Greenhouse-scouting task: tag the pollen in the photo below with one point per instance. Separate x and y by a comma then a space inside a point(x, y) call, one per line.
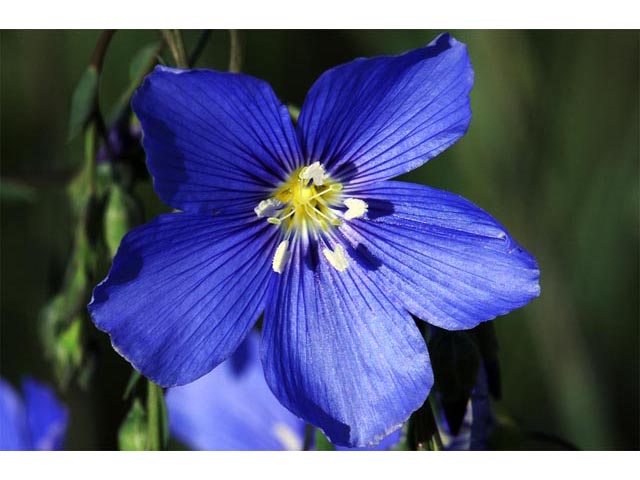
point(280, 257)
point(314, 172)
point(337, 258)
point(268, 207)
point(356, 208)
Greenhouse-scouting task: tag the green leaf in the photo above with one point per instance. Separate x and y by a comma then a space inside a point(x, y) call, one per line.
point(487, 341)
point(83, 101)
point(322, 442)
point(12, 191)
point(142, 61)
point(455, 360)
point(122, 213)
point(133, 431)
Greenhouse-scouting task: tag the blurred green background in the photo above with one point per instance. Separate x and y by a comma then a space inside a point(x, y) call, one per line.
point(552, 152)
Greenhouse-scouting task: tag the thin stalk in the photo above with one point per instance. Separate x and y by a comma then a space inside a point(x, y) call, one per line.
point(435, 440)
point(308, 435)
point(173, 38)
point(90, 156)
point(99, 52)
point(182, 53)
point(236, 47)
point(197, 50)
point(153, 416)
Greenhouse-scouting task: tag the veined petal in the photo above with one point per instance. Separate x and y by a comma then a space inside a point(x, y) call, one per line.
point(14, 429)
point(453, 265)
point(232, 408)
point(387, 443)
point(214, 140)
point(373, 119)
point(47, 417)
point(183, 292)
point(339, 352)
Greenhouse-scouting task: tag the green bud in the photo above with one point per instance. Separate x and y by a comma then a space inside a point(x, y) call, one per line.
point(121, 214)
point(133, 431)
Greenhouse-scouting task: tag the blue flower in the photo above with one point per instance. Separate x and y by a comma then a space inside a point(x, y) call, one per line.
point(232, 408)
point(302, 223)
point(37, 422)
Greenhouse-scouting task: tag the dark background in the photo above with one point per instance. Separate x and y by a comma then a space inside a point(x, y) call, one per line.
point(552, 152)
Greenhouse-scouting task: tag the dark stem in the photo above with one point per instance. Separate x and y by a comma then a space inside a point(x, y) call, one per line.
point(97, 59)
point(235, 51)
point(199, 48)
point(308, 435)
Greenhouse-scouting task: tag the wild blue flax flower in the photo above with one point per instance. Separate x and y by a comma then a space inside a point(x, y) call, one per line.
point(38, 421)
point(302, 223)
point(232, 408)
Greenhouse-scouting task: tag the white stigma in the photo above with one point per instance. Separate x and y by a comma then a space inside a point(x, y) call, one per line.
point(314, 171)
point(280, 257)
point(356, 208)
point(287, 437)
point(268, 208)
point(337, 258)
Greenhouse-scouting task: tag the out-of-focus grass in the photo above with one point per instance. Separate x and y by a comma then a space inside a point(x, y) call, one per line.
point(552, 152)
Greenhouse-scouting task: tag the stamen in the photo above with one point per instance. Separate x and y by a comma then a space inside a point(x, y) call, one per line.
point(356, 208)
point(287, 437)
point(337, 258)
point(330, 220)
point(314, 171)
point(268, 207)
point(280, 257)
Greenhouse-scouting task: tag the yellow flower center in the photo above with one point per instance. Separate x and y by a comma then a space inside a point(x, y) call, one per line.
point(307, 207)
point(307, 204)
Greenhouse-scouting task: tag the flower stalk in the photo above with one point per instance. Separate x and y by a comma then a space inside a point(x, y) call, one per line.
point(236, 48)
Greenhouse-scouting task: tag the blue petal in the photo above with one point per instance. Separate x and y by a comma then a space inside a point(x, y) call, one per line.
point(14, 429)
point(387, 443)
point(214, 140)
point(373, 119)
point(453, 265)
point(233, 410)
point(183, 292)
point(47, 416)
point(340, 353)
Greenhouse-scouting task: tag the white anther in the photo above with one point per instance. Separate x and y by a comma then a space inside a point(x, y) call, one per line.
point(287, 437)
point(337, 258)
point(281, 256)
point(356, 208)
point(268, 207)
point(314, 171)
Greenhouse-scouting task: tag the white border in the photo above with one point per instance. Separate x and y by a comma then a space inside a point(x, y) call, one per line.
point(458, 14)
point(318, 465)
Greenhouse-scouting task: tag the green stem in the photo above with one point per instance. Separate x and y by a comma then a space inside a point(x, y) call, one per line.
point(153, 416)
point(308, 435)
point(183, 62)
point(90, 156)
point(197, 50)
point(176, 46)
point(435, 441)
point(235, 51)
